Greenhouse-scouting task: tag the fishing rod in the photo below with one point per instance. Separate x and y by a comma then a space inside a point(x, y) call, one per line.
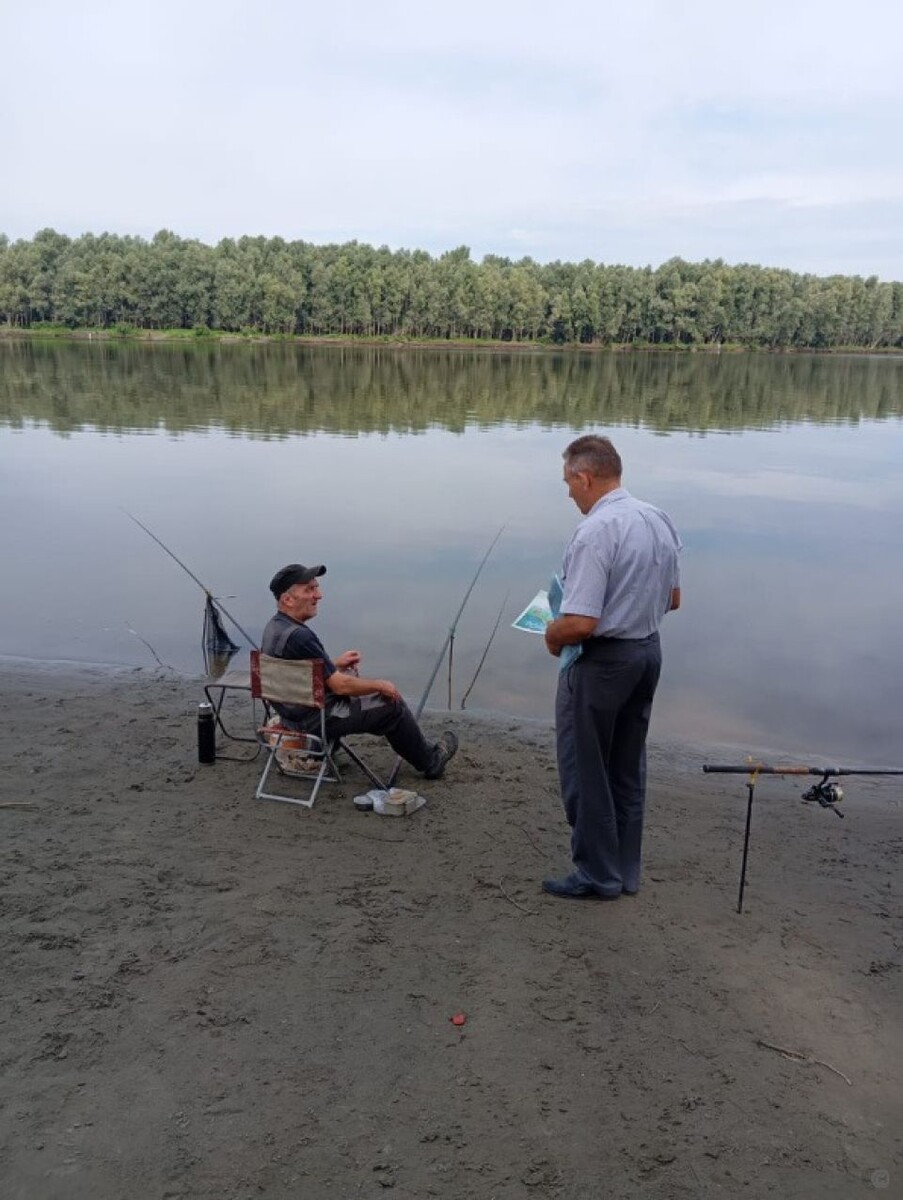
point(485, 650)
point(793, 769)
point(449, 640)
point(824, 793)
point(192, 575)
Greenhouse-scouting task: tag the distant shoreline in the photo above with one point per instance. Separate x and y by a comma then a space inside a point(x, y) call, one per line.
point(387, 342)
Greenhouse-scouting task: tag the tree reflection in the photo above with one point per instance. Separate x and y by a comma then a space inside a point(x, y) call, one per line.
point(281, 390)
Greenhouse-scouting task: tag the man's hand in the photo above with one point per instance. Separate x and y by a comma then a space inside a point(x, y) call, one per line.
point(567, 630)
point(349, 660)
point(388, 689)
point(347, 683)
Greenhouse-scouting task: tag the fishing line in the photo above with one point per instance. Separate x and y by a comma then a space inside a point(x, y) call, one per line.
point(210, 596)
point(449, 637)
point(486, 650)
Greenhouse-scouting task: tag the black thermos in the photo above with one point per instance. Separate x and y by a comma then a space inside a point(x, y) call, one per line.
point(206, 734)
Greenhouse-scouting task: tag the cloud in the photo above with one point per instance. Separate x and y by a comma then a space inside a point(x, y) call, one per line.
point(587, 131)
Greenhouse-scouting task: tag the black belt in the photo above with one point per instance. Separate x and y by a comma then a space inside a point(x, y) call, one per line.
point(598, 644)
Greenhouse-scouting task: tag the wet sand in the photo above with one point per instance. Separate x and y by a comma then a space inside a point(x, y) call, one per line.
point(208, 996)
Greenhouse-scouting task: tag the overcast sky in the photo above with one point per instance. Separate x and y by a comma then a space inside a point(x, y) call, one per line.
point(767, 132)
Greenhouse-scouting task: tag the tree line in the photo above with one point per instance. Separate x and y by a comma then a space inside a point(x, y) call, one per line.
point(270, 286)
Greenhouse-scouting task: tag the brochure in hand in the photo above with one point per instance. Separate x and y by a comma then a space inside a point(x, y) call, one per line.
point(543, 608)
point(536, 616)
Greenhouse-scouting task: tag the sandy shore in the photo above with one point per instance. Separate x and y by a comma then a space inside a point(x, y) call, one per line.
point(204, 996)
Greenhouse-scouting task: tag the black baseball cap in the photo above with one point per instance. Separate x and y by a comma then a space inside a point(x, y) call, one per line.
point(294, 573)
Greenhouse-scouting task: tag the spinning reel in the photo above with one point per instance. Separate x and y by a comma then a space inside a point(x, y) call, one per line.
point(827, 793)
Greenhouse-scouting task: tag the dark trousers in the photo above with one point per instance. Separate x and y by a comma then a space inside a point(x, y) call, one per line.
point(602, 715)
point(390, 719)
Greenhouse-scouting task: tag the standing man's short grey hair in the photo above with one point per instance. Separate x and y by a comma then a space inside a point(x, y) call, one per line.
point(594, 454)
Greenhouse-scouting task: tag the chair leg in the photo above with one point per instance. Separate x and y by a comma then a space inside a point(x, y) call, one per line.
point(321, 775)
point(217, 704)
point(361, 765)
point(260, 794)
point(328, 773)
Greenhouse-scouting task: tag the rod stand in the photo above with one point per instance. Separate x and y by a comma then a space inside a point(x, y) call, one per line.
point(751, 790)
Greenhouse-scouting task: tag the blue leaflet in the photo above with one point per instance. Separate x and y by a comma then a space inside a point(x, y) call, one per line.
point(569, 654)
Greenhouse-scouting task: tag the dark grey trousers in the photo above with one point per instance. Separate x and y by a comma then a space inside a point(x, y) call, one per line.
point(391, 719)
point(602, 715)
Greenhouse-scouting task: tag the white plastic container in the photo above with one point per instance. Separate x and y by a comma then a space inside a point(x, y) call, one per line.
point(397, 802)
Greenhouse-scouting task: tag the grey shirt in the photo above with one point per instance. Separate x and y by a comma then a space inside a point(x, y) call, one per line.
point(286, 638)
point(621, 565)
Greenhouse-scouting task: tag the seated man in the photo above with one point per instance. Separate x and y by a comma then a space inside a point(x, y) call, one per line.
point(353, 704)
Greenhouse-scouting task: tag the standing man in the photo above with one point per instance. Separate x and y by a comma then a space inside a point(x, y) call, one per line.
point(354, 704)
point(620, 576)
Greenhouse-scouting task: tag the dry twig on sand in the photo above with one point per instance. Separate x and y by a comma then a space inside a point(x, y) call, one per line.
point(526, 834)
point(797, 1056)
point(533, 912)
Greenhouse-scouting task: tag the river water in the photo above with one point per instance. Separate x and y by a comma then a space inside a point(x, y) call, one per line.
point(397, 467)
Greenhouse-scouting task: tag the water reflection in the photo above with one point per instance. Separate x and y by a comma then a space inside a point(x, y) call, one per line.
point(788, 635)
point(279, 390)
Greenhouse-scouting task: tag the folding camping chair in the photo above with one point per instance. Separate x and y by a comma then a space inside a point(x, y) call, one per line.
point(298, 681)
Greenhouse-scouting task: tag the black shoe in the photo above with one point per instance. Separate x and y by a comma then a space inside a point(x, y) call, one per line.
point(445, 750)
point(572, 887)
